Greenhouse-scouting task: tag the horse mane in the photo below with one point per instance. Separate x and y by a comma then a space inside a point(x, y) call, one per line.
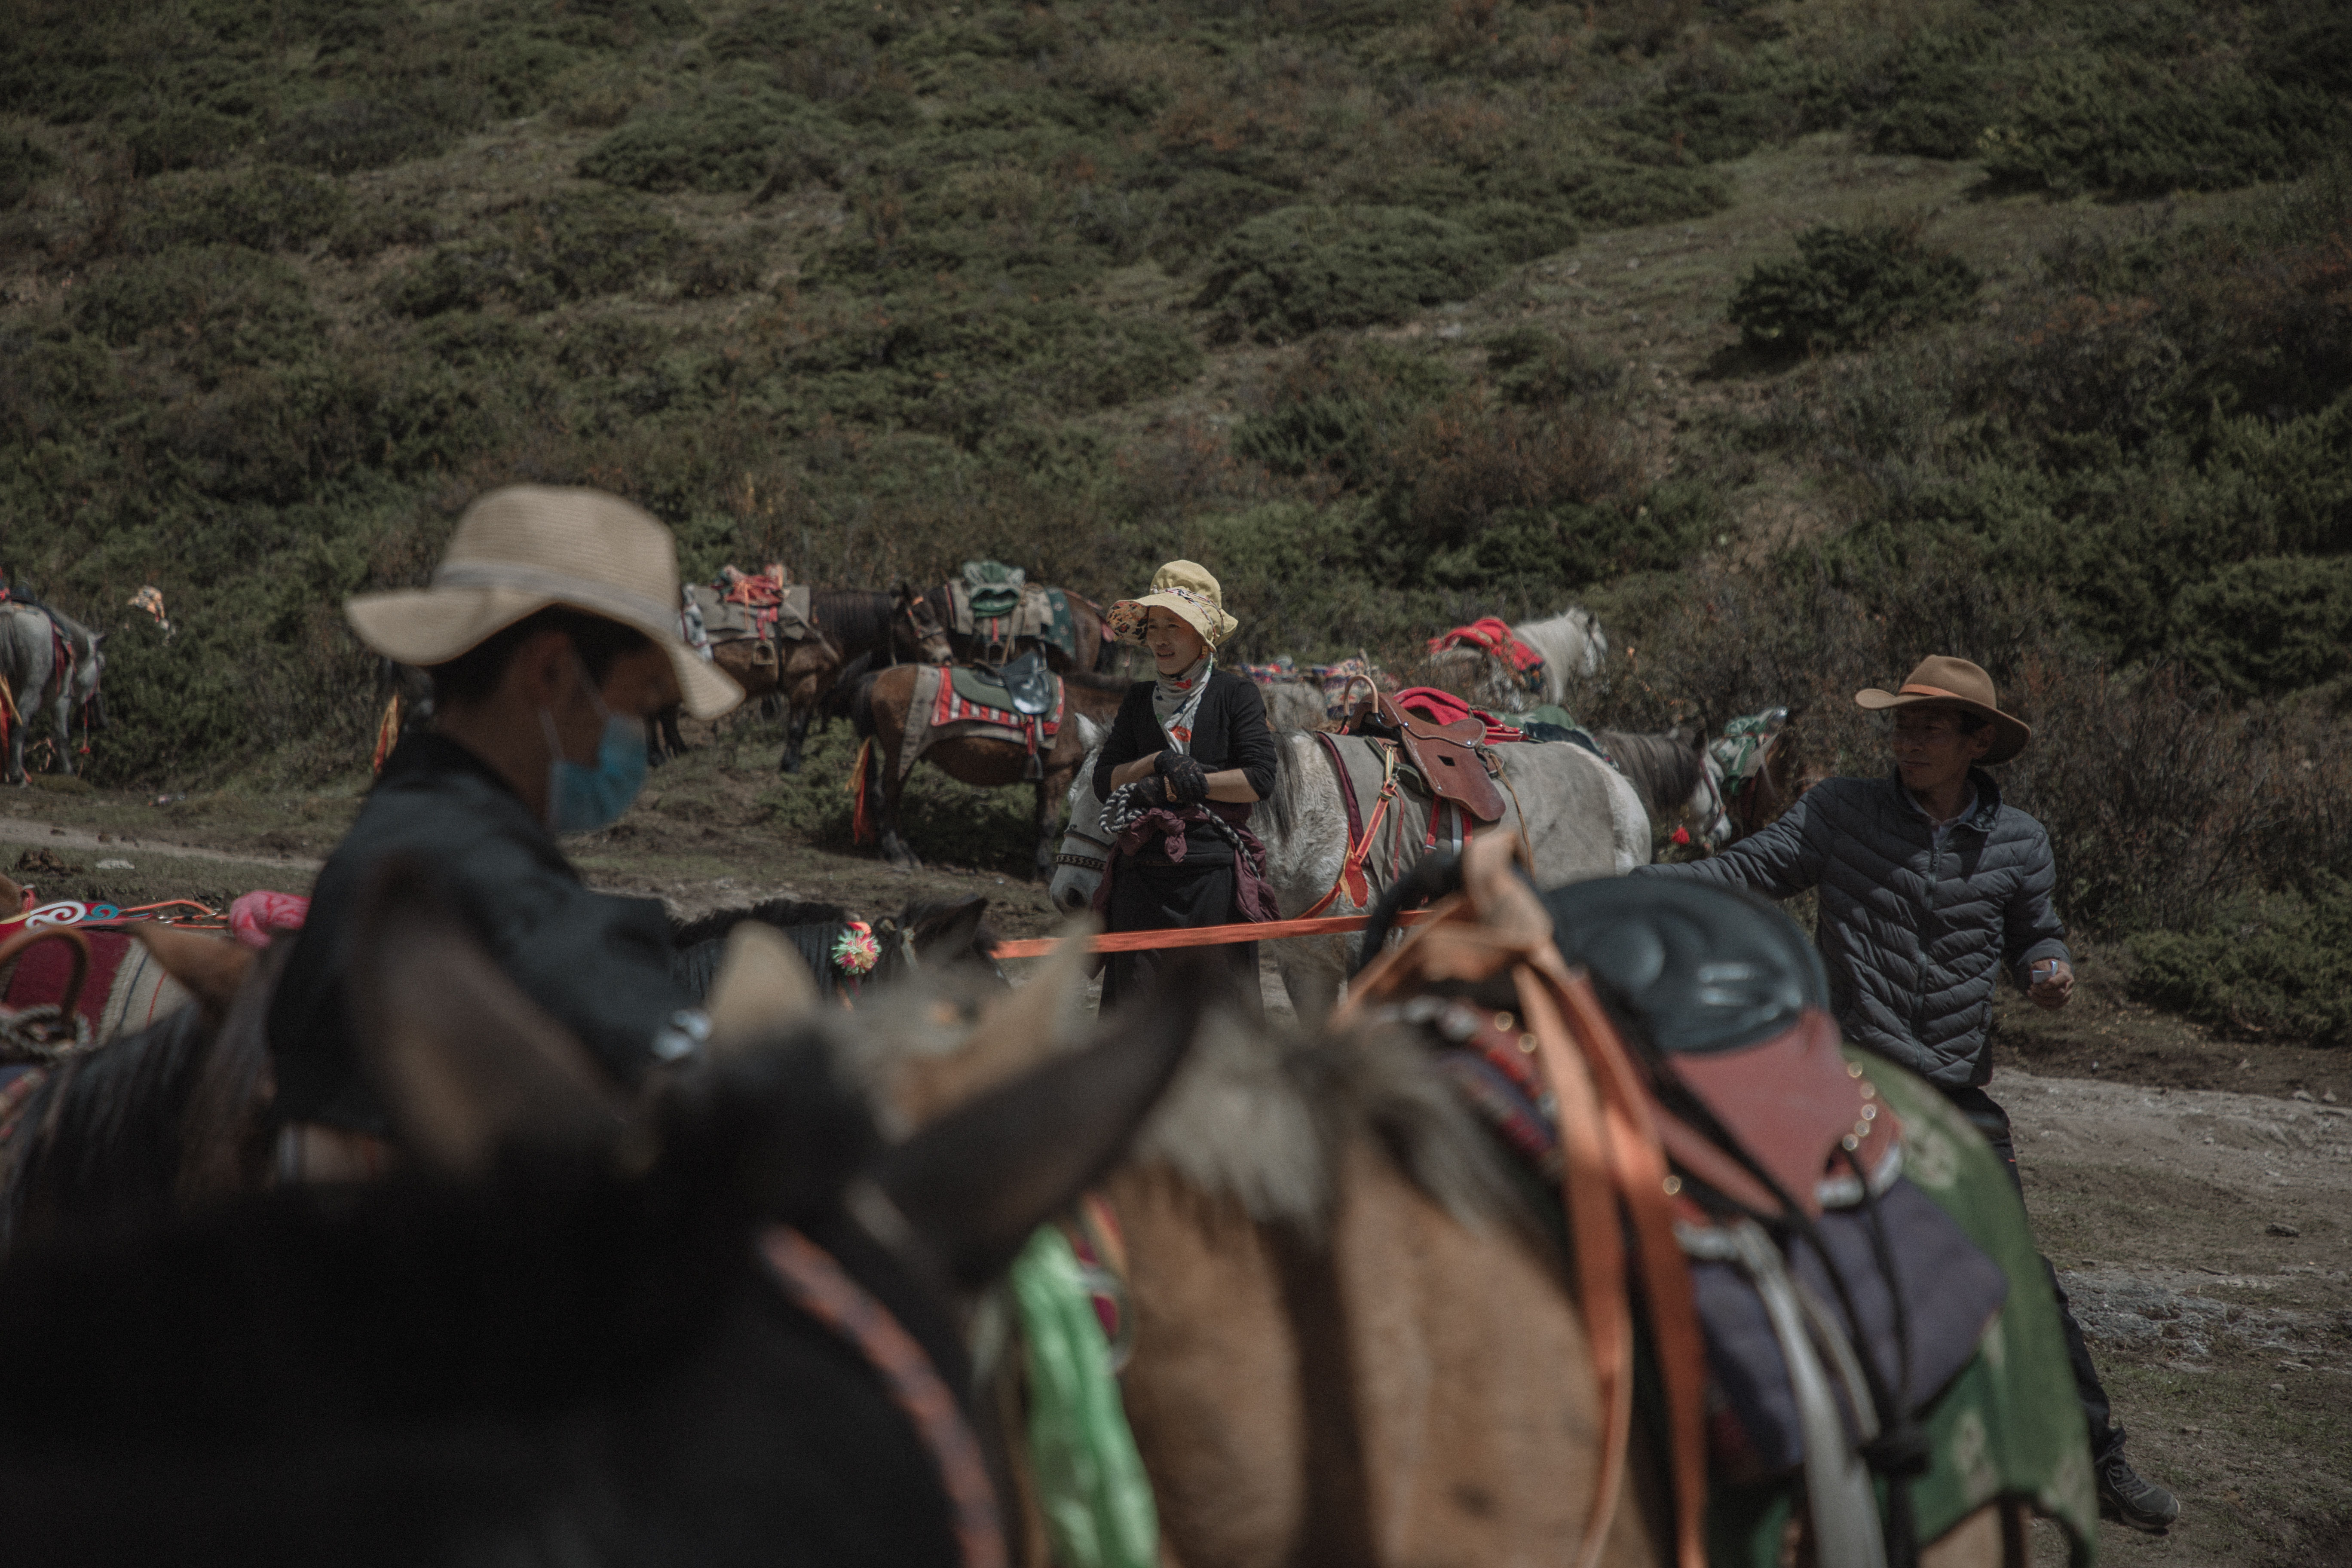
point(853, 617)
point(1265, 1119)
point(1665, 768)
point(1282, 806)
point(104, 1133)
point(777, 912)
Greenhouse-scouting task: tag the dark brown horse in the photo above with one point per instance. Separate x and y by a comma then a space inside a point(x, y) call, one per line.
point(1095, 650)
point(974, 759)
point(798, 674)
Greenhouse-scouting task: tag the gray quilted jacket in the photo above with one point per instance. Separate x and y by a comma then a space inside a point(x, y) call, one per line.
point(1914, 937)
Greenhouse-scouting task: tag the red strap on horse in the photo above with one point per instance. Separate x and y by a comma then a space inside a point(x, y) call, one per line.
point(1352, 878)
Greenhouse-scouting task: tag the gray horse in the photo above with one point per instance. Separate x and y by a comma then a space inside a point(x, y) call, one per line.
point(28, 661)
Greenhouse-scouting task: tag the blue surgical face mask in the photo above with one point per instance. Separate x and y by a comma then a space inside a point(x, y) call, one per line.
point(583, 798)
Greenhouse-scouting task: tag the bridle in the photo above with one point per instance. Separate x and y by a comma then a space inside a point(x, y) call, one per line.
point(1085, 862)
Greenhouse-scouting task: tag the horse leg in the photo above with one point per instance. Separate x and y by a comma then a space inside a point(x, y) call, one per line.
point(61, 725)
point(795, 732)
point(884, 757)
point(17, 752)
point(1312, 969)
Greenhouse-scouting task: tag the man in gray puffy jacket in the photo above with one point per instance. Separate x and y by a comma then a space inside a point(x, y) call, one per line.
point(1930, 888)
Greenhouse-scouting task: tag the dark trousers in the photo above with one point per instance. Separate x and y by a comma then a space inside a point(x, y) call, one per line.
point(1145, 896)
point(1986, 1114)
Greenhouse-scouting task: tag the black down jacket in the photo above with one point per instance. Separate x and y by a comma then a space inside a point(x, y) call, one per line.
point(1915, 936)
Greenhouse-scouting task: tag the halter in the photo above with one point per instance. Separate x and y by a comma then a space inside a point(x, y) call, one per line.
point(1085, 862)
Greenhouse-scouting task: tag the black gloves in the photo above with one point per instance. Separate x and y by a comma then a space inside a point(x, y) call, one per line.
point(1187, 781)
point(1151, 790)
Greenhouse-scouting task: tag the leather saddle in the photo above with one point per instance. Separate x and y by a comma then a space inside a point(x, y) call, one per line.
point(1026, 682)
point(1448, 757)
point(1732, 1001)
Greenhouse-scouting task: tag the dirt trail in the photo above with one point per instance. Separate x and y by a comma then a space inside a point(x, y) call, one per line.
point(24, 830)
point(2205, 1239)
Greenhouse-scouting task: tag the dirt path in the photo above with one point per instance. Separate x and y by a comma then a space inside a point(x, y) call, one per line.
point(88, 842)
point(2205, 1238)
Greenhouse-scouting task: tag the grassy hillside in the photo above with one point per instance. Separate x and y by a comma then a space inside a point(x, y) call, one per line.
point(1797, 338)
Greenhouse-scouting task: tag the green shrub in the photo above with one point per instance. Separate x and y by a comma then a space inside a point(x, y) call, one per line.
point(1532, 366)
point(2269, 626)
point(23, 163)
point(212, 307)
point(728, 141)
point(1626, 195)
point(1849, 286)
point(1305, 268)
point(1204, 206)
point(1342, 411)
point(184, 137)
point(364, 132)
point(2274, 964)
point(2135, 127)
point(1518, 231)
point(269, 207)
point(564, 246)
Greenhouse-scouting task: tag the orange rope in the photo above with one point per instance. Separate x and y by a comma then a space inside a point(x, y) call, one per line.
point(1202, 936)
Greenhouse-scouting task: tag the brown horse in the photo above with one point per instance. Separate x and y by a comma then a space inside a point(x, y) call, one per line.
point(974, 759)
point(1775, 786)
point(798, 674)
point(972, 647)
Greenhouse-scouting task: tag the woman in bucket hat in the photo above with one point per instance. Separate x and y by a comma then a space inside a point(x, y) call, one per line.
point(1931, 888)
point(549, 630)
point(1188, 755)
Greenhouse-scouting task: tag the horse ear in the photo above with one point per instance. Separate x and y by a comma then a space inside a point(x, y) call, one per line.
point(974, 1184)
point(210, 968)
point(1017, 1029)
point(950, 932)
point(1091, 735)
point(466, 1064)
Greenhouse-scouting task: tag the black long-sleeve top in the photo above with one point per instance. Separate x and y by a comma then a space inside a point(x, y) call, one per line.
point(1228, 731)
point(598, 962)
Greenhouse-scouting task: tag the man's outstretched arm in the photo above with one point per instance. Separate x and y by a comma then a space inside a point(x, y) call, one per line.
point(1780, 862)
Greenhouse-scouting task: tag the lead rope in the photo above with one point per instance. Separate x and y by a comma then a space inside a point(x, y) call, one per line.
point(819, 1286)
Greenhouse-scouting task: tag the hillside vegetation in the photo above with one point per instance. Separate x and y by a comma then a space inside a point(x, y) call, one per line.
point(1797, 338)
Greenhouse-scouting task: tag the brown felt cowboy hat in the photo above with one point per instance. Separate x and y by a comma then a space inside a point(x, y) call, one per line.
point(1956, 683)
point(518, 550)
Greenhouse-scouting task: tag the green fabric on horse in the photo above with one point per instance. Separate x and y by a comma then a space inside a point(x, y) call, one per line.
point(2011, 1426)
point(1090, 1482)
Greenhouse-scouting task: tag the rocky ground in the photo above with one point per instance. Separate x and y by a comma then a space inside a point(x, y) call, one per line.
point(2194, 1193)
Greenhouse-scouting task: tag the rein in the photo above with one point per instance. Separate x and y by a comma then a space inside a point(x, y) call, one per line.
point(814, 1282)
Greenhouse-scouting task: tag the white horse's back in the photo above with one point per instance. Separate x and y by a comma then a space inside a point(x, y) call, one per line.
point(1573, 646)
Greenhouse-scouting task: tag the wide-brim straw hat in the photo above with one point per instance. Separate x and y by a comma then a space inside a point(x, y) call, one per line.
point(518, 550)
point(1954, 682)
point(1184, 588)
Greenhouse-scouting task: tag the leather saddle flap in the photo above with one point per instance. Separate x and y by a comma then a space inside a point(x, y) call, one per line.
point(1446, 757)
point(1022, 686)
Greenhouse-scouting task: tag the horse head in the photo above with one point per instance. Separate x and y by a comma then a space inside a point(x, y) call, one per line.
point(1085, 852)
point(930, 635)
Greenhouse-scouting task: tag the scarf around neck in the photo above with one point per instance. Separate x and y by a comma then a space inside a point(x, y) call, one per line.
point(1176, 700)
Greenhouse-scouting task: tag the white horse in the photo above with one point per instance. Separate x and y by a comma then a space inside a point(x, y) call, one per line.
point(30, 640)
point(1573, 646)
point(1580, 818)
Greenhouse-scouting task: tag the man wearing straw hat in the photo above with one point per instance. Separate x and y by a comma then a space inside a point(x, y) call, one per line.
point(1931, 887)
point(549, 630)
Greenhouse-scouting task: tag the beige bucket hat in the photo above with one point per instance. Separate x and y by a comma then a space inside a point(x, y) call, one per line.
point(1955, 682)
point(1186, 588)
point(520, 548)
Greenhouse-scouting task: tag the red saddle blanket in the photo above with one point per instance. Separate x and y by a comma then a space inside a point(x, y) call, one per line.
point(1445, 707)
point(952, 707)
point(1495, 637)
point(38, 979)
